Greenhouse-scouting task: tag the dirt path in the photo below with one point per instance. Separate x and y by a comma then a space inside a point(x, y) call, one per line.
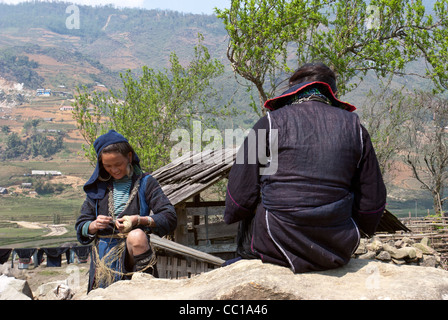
point(55, 229)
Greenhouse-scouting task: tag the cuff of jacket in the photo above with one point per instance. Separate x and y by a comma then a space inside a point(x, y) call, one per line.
point(234, 212)
point(84, 237)
point(368, 221)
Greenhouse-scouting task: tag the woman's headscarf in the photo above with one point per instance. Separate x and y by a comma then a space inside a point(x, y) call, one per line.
point(95, 188)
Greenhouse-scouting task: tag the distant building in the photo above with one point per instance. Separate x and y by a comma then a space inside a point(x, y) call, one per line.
point(43, 92)
point(44, 173)
point(3, 190)
point(62, 94)
point(66, 108)
point(26, 185)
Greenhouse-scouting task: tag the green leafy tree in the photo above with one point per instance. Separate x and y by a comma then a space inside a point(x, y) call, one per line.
point(19, 67)
point(270, 38)
point(151, 106)
point(36, 144)
point(14, 146)
point(30, 126)
point(260, 32)
point(6, 129)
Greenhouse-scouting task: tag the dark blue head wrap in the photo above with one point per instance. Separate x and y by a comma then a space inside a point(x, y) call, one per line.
point(94, 188)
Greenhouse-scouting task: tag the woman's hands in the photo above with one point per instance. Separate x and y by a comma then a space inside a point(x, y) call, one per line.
point(134, 220)
point(100, 223)
point(125, 224)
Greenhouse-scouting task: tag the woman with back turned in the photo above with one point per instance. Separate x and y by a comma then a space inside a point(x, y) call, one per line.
point(324, 184)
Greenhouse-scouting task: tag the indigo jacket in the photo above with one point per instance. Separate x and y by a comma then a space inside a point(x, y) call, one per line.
point(164, 214)
point(315, 182)
point(97, 203)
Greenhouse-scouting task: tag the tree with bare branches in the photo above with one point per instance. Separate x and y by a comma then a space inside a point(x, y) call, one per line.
point(384, 114)
point(427, 155)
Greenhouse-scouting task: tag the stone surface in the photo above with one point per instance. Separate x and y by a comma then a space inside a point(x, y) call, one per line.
point(401, 251)
point(14, 289)
point(252, 279)
point(424, 248)
point(384, 256)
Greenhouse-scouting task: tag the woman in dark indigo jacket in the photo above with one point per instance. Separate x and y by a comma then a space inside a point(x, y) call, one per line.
point(117, 189)
point(303, 203)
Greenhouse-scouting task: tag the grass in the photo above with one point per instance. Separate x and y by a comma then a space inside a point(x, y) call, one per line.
point(61, 208)
point(67, 167)
point(14, 207)
point(15, 232)
point(13, 235)
point(49, 210)
point(58, 208)
point(23, 241)
point(12, 170)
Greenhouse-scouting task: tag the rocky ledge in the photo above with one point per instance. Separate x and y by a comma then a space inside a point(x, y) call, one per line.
point(251, 279)
point(397, 270)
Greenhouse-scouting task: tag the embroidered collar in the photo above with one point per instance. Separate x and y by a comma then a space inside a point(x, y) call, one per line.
point(324, 88)
point(312, 94)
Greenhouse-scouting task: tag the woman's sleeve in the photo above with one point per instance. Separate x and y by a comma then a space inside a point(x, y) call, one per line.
point(243, 188)
point(369, 189)
point(82, 223)
point(164, 214)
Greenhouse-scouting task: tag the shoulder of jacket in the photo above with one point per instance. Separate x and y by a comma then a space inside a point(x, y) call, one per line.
point(90, 201)
point(149, 181)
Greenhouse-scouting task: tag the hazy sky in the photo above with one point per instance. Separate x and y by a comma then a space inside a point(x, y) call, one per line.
point(188, 6)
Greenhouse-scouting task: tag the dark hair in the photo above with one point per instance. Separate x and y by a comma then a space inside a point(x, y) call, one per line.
point(120, 147)
point(311, 72)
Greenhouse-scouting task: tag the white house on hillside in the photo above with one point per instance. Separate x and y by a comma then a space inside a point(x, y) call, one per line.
point(44, 173)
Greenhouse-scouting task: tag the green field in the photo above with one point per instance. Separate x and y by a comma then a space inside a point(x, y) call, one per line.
point(18, 237)
point(43, 209)
point(18, 208)
point(21, 204)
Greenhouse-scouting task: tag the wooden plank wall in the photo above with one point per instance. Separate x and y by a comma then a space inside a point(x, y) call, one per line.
point(198, 228)
point(176, 267)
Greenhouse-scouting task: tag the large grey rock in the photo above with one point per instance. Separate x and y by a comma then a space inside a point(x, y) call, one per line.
point(374, 245)
point(424, 248)
point(252, 279)
point(400, 253)
point(14, 289)
point(384, 256)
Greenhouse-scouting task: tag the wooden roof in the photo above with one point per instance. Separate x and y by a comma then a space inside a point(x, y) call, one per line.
point(192, 173)
point(185, 251)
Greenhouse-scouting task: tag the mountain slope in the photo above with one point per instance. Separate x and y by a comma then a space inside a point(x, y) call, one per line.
point(108, 40)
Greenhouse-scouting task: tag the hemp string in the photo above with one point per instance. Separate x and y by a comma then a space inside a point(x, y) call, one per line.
point(103, 271)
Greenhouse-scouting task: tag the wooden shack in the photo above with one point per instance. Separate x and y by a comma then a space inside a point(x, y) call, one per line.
point(183, 181)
